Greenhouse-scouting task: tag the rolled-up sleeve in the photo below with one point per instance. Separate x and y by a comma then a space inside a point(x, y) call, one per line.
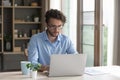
point(32, 50)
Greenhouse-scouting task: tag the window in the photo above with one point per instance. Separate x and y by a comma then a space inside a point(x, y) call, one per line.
point(87, 28)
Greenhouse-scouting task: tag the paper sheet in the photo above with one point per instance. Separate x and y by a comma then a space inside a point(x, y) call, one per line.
point(92, 71)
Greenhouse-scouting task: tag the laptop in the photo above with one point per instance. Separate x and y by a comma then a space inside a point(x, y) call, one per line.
point(67, 65)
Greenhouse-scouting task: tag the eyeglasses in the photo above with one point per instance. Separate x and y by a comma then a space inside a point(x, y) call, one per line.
point(53, 27)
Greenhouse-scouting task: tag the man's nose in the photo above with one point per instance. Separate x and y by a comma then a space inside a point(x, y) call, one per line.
point(57, 29)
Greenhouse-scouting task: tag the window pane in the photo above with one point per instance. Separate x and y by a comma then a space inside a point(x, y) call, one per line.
point(109, 20)
point(88, 30)
point(88, 35)
point(88, 5)
point(105, 43)
point(88, 44)
point(89, 50)
point(88, 17)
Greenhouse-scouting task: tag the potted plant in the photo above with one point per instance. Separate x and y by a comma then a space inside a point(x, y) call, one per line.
point(33, 68)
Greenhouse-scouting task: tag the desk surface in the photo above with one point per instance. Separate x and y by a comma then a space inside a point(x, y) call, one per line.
point(109, 73)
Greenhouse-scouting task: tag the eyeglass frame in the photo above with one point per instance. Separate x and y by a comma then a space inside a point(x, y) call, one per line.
point(53, 27)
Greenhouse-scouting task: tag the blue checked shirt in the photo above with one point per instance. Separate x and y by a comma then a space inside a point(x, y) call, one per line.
point(40, 48)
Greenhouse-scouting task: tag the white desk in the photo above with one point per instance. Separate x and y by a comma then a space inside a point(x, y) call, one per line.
point(109, 73)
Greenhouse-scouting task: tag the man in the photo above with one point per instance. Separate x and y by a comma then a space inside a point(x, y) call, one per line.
point(51, 41)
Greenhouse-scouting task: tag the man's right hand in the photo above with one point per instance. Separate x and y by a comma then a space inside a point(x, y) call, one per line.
point(44, 68)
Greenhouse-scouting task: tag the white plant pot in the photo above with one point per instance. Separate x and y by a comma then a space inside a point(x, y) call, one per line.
point(34, 74)
point(30, 74)
point(36, 19)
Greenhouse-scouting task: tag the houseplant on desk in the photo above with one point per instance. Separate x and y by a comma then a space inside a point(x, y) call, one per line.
point(34, 68)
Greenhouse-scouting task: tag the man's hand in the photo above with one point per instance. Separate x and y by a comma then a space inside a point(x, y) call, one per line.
point(44, 68)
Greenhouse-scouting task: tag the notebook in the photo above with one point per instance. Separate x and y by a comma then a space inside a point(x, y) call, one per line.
point(67, 65)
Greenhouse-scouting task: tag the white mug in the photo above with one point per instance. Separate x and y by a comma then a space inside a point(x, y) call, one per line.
point(24, 69)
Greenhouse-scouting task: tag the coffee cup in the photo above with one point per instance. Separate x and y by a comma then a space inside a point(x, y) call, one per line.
point(24, 69)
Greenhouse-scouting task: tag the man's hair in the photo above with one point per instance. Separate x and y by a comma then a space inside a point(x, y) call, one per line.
point(54, 13)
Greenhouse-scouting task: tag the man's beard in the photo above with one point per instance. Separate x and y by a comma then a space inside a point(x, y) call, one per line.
point(53, 34)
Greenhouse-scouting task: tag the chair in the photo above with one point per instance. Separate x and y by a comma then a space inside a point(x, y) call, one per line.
point(26, 53)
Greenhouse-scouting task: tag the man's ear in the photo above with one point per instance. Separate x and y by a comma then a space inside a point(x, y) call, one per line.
point(46, 26)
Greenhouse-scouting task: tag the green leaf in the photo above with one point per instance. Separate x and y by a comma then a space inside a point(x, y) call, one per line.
point(33, 67)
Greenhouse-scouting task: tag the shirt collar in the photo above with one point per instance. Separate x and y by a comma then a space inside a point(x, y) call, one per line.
point(46, 37)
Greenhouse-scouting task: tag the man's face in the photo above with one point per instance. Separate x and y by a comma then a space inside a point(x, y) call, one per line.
point(54, 27)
